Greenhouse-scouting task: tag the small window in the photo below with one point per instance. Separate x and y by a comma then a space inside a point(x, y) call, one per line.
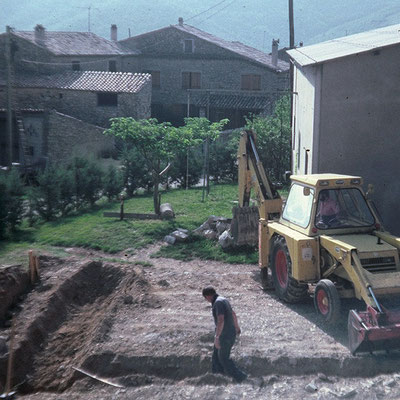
point(112, 66)
point(155, 78)
point(191, 80)
point(188, 47)
point(76, 66)
point(107, 99)
point(251, 82)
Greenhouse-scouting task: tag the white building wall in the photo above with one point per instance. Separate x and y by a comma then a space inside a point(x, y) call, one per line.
point(360, 124)
point(304, 107)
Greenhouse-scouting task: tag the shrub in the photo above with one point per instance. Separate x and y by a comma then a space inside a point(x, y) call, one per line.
point(15, 191)
point(67, 190)
point(177, 172)
point(112, 183)
point(3, 207)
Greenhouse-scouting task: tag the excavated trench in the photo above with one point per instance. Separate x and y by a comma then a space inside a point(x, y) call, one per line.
point(74, 314)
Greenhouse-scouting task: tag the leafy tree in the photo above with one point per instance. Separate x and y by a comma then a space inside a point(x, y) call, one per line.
point(66, 182)
point(182, 173)
point(156, 142)
point(135, 173)
point(112, 183)
point(273, 138)
point(206, 131)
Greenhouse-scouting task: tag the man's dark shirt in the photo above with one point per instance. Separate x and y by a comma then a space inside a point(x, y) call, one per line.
point(221, 306)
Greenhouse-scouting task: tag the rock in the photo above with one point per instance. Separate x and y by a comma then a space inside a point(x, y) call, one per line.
point(322, 377)
point(346, 394)
point(221, 226)
point(180, 236)
point(226, 240)
point(212, 221)
point(203, 227)
point(272, 379)
point(166, 211)
point(128, 299)
point(389, 382)
point(210, 234)
point(170, 239)
point(311, 387)
point(183, 230)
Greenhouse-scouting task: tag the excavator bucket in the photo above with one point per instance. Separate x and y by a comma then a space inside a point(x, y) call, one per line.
point(244, 226)
point(371, 330)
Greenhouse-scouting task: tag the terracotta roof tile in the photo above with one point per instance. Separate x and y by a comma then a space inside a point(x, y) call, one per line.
point(99, 81)
point(76, 43)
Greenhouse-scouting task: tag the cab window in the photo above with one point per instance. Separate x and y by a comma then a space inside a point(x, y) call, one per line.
point(298, 205)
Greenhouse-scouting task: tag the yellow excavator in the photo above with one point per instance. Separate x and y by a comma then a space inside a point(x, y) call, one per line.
point(327, 241)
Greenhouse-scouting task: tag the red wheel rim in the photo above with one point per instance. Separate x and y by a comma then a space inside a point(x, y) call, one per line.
point(281, 268)
point(322, 302)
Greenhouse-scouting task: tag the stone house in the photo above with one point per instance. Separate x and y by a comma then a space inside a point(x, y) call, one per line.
point(197, 74)
point(345, 113)
point(45, 78)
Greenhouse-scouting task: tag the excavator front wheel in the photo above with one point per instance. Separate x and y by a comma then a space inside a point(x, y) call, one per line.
point(286, 287)
point(327, 301)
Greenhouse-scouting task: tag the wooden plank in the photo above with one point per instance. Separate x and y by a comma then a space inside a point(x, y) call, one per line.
point(108, 382)
point(131, 215)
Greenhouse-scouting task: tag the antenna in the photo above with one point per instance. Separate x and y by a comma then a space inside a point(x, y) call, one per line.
point(89, 9)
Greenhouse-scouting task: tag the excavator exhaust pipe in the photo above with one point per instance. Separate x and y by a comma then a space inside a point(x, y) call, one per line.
point(373, 330)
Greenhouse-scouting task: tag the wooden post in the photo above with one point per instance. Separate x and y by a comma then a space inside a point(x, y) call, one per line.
point(121, 213)
point(32, 266)
point(10, 358)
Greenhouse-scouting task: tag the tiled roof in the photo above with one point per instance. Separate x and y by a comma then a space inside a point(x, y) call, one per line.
point(116, 82)
point(76, 43)
point(235, 101)
point(236, 47)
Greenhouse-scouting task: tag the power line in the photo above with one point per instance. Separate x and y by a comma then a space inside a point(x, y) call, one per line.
point(208, 9)
point(221, 9)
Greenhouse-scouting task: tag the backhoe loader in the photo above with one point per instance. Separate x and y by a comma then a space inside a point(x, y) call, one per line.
point(327, 241)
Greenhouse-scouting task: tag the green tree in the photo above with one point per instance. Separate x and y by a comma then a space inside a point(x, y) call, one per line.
point(4, 203)
point(156, 142)
point(15, 192)
point(206, 131)
point(112, 183)
point(273, 138)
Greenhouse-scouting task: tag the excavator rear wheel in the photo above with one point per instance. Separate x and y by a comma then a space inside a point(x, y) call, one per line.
point(327, 301)
point(287, 288)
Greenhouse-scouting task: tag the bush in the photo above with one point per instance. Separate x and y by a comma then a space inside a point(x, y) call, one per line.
point(3, 207)
point(15, 191)
point(112, 183)
point(65, 178)
point(177, 172)
point(135, 173)
point(88, 181)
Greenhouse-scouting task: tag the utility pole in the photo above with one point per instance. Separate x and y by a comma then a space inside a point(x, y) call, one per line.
point(9, 96)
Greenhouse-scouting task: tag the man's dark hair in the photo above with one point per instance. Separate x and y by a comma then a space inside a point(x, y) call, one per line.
point(209, 291)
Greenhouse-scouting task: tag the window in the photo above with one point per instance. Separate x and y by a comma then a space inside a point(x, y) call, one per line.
point(155, 78)
point(298, 205)
point(112, 66)
point(188, 46)
point(107, 99)
point(251, 82)
point(191, 80)
point(76, 66)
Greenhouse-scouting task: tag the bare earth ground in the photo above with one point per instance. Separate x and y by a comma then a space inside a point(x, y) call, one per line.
point(147, 328)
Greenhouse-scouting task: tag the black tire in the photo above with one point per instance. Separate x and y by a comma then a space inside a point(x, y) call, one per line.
point(266, 282)
point(286, 287)
point(327, 301)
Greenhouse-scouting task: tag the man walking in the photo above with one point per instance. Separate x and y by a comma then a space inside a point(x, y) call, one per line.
point(227, 327)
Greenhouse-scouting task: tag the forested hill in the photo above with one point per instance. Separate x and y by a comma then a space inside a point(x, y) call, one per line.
point(254, 22)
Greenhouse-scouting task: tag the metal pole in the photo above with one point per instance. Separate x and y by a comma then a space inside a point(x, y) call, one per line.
point(9, 95)
point(291, 73)
point(187, 151)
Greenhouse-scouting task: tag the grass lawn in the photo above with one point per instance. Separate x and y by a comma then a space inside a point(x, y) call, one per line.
point(92, 230)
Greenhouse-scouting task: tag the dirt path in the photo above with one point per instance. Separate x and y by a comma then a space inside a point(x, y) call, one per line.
point(142, 323)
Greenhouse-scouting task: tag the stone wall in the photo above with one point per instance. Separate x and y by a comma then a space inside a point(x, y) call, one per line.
point(83, 104)
point(68, 137)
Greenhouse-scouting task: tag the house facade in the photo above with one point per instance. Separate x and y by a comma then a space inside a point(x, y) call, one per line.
point(52, 71)
point(197, 74)
point(345, 113)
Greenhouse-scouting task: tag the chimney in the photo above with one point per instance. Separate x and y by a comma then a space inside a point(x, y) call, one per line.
point(39, 34)
point(114, 31)
point(275, 45)
point(180, 21)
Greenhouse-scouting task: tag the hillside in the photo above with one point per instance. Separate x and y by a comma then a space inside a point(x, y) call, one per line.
point(254, 23)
